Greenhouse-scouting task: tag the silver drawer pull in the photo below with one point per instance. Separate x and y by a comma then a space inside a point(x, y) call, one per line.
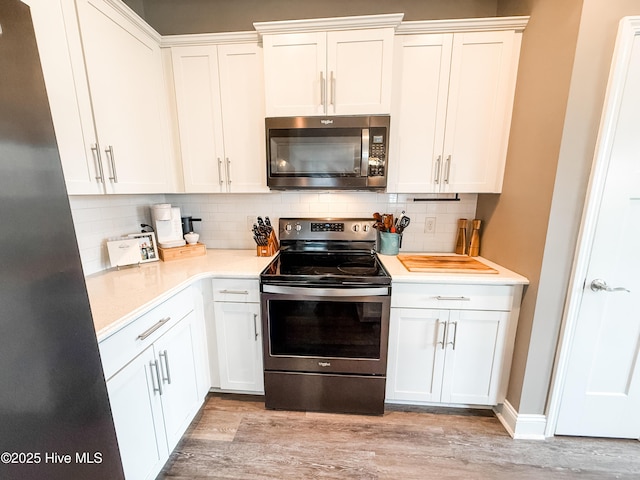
point(153, 365)
point(152, 329)
point(459, 299)
point(235, 292)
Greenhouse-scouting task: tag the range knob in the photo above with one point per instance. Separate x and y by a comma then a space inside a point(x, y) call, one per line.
point(366, 228)
point(298, 227)
point(356, 228)
point(288, 227)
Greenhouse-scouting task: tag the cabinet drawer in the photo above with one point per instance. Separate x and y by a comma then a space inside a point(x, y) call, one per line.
point(459, 297)
point(124, 345)
point(237, 290)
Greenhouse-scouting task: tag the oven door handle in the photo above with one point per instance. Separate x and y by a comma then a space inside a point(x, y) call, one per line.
point(326, 292)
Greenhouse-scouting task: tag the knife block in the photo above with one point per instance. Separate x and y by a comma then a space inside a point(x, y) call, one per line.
point(270, 248)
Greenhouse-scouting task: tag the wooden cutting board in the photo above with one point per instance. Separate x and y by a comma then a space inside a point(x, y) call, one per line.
point(444, 264)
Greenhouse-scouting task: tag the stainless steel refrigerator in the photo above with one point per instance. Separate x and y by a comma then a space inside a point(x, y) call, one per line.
point(55, 419)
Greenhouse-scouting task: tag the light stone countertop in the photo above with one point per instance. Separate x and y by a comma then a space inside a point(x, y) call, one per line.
point(400, 274)
point(118, 297)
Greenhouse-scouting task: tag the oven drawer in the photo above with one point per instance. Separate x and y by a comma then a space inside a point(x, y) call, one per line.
point(236, 290)
point(459, 297)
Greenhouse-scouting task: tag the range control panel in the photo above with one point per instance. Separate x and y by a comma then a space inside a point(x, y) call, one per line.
point(345, 229)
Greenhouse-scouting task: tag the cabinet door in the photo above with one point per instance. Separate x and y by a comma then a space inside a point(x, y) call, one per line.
point(359, 71)
point(295, 74)
point(483, 70)
point(416, 354)
point(137, 416)
point(242, 100)
point(63, 68)
point(474, 347)
point(195, 73)
point(124, 69)
point(421, 80)
point(180, 399)
point(239, 338)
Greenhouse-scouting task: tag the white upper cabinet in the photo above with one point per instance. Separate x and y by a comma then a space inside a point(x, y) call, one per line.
point(319, 68)
point(104, 77)
point(220, 108)
point(124, 68)
point(453, 96)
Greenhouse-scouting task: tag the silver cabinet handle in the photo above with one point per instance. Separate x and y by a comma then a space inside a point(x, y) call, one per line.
point(323, 96)
point(153, 365)
point(234, 292)
point(152, 329)
point(444, 334)
point(448, 169)
point(599, 285)
point(255, 325)
point(455, 335)
point(228, 171)
point(221, 181)
point(166, 365)
point(95, 150)
point(114, 173)
point(332, 85)
point(458, 299)
point(437, 178)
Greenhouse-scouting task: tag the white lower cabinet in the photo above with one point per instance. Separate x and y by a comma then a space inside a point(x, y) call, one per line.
point(452, 356)
point(154, 395)
point(238, 334)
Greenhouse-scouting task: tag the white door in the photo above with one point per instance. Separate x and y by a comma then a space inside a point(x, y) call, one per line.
point(481, 89)
point(474, 347)
point(242, 101)
point(295, 74)
point(239, 338)
point(601, 395)
point(195, 73)
point(137, 415)
point(359, 71)
point(416, 354)
point(180, 400)
point(124, 68)
point(421, 86)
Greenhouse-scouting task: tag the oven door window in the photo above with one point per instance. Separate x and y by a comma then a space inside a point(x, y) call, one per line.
point(325, 329)
point(315, 152)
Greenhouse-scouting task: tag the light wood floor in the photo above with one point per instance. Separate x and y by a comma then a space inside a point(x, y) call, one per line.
point(234, 437)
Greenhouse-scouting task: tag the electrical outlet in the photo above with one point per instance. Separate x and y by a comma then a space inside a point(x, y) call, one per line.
point(430, 225)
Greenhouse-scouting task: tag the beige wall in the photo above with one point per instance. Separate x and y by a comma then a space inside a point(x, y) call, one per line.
point(516, 221)
point(205, 16)
point(554, 131)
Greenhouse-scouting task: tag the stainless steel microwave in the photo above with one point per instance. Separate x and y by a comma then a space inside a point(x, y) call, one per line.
point(347, 153)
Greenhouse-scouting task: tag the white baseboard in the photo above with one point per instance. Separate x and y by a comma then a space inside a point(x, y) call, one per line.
point(521, 426)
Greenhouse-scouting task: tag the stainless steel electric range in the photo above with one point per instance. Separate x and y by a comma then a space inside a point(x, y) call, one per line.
point(325, 303)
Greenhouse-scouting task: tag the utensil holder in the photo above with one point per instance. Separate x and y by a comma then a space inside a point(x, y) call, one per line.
point(270, 248)
point(389, 243)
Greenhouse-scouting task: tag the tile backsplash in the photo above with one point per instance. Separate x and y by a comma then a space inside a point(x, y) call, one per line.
point(227, 218)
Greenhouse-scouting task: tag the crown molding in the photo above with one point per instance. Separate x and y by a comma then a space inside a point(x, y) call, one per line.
point(134, 18)
point(208, 38)
point(463, 25)
point(324, 24)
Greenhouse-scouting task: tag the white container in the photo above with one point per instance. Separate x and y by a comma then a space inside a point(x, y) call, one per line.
point(191, 238)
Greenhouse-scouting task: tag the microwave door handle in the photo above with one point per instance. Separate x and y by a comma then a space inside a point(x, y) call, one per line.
point(364, 162)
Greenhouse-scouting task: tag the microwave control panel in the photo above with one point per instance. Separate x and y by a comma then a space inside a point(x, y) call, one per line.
point(377, 153)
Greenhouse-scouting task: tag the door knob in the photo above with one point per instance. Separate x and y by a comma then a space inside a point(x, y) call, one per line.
point(600, 285)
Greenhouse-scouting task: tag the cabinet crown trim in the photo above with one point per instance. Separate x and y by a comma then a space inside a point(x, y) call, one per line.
point(325, 24)
point(463, 25)
point(208, 38)
point(134, 18)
